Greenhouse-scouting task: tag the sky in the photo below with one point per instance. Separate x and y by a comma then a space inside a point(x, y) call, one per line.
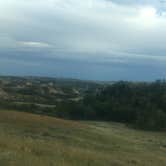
point(89, 39)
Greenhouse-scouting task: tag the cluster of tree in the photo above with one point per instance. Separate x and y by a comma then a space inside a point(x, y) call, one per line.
point(142, 105)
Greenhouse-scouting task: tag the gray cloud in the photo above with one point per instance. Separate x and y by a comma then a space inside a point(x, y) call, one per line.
point(99, 31)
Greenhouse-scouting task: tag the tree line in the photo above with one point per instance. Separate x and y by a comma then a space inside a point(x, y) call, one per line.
point(142, 105)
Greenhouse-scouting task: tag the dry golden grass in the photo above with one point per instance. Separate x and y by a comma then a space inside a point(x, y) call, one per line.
point(32, 140)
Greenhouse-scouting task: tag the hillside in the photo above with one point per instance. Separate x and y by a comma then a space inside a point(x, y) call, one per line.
point(44, 90)
point(29, 140)
point(141, 105)
point(41, 95)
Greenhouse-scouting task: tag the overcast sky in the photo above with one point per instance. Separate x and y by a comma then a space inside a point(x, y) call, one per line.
point(89, 39)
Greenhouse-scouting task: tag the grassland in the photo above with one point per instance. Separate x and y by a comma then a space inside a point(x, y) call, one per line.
point(34, 140)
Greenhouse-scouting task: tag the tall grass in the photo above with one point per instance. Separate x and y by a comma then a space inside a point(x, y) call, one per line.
point(32, 140)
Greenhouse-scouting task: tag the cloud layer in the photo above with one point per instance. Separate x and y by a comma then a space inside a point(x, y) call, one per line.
point(125, 37)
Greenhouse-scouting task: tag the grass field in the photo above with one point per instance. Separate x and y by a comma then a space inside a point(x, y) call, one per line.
point(34, 140)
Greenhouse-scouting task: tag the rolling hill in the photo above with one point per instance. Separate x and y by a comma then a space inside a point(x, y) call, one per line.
point(30, 140)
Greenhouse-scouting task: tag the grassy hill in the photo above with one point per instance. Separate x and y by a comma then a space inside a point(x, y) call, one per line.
point(31, 140)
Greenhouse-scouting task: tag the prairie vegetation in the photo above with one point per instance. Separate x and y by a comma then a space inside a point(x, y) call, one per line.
point(30, 140)
point(102, 124)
